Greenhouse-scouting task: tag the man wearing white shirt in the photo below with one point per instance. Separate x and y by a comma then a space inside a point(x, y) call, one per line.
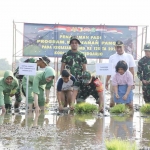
point(118, 56)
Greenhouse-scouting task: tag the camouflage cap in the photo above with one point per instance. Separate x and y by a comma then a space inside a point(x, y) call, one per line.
point(119, 43)
point(74, 38)
point(86, 77)
point(45, 59)
point(147, 47)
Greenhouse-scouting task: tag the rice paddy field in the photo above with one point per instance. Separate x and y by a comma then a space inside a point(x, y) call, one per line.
point(67, 130)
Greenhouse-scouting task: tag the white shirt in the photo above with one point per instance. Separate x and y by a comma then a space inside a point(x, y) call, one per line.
point(115, 58)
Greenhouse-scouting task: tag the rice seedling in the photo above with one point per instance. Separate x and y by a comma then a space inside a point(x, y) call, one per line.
point(145, 108)
point(85, 108)
point(118, 144)
point(119, 108)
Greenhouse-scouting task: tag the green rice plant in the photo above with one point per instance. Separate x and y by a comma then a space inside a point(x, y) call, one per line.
point(118, 144)
point(145, 108)
point(85, 108)
point(119, 108)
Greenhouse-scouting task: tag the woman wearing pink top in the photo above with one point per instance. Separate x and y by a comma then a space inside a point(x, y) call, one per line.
point(122, 84)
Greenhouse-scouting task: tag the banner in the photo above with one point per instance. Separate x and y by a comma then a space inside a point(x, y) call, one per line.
point(97, 41)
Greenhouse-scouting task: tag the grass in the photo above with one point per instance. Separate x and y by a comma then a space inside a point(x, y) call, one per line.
point(85, 108)
point(145, 108)
point(119, 108)
point(118, 144)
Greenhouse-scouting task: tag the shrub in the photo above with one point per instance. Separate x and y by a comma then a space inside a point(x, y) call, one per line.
point(118, 144)
point(85, 108)
point(119, 108)
point(145, 108)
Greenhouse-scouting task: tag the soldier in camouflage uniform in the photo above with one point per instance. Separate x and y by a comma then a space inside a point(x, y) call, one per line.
point(42, 63)
point(144, 73)
point(88, 85)
point(74, 60)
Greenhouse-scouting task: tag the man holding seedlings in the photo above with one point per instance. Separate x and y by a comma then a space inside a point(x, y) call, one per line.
point(85, 86)
point(144, 73)
point(74, 60)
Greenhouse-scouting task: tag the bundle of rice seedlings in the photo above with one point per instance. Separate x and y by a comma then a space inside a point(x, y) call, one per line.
point(85, 108)
point(119, 108)
point(145, 108)
point(118, 144)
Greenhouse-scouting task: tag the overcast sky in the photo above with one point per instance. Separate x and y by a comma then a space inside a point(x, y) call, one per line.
point(108, 12)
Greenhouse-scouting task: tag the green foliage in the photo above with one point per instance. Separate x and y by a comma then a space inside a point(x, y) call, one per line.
point(145, 108)
point(85, 108)
point(118, 144)
point(119, 108)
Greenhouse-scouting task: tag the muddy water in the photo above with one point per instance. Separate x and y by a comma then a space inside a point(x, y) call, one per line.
point(67, 131)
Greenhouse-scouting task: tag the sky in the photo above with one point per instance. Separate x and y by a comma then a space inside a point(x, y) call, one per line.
point(91, 12)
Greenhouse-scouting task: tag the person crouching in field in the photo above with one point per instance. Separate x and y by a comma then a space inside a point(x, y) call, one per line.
point(8, 86)
point(122, 84)
point(85, 86)
point(36, 88)
point(65, 89)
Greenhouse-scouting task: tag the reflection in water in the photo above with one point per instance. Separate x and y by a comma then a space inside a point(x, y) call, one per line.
point(68, 131)
point(146, 132)
point(121, 127)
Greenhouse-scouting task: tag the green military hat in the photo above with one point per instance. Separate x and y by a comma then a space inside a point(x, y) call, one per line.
point(119, 43)
point(45, 59)
point(86, 76)
point(74, 38)
point(147, 47)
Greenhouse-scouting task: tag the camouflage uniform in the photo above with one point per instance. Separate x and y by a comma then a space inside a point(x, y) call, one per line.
point(74, 60)
point(144, 74)
point(85, 90)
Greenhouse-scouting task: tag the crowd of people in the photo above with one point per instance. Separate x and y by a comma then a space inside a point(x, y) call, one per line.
point(76, 83)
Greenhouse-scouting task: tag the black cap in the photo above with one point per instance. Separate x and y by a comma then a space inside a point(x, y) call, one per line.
point(119, 43)
point(74, 38)
point(46, 60)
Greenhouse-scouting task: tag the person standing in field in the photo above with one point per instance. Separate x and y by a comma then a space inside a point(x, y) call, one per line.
point(74, 60)
point(143, 73)
point(114, 59)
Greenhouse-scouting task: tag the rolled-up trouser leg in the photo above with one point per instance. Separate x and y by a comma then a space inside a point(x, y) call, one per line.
point(18, 98)
point(7, 101)
point(146, 93)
